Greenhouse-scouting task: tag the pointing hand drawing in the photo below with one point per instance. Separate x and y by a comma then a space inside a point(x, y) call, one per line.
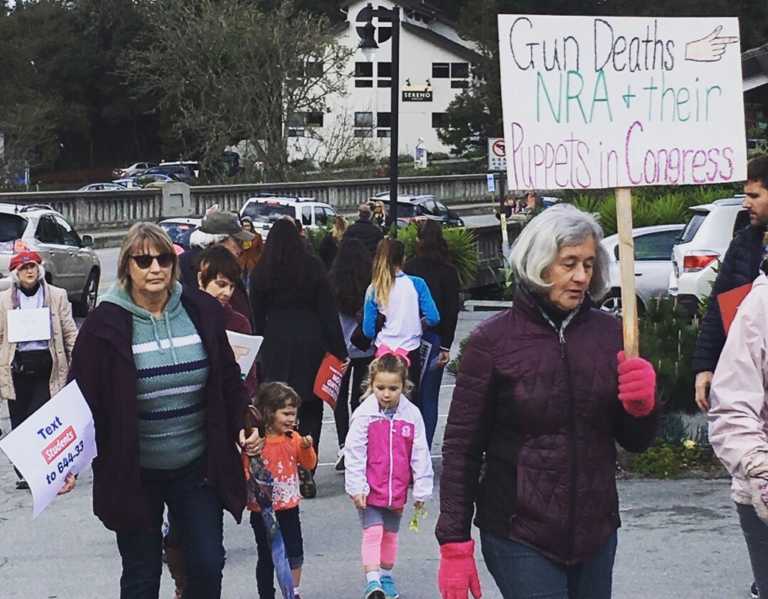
point(709, 48)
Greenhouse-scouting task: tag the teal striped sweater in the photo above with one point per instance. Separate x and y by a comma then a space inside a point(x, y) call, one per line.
point(172, 369)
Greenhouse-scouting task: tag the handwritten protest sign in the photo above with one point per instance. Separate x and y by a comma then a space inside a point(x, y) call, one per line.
point(599, 102)
point(32, 324)
point(57, 439)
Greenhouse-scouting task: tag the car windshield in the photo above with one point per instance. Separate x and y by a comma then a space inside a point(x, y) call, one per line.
point(403, 210)
point(267, 212)
point(11, 227)
point(179, 232)
point(693, 226)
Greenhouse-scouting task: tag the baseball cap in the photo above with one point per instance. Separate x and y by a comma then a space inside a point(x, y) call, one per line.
point(225, 223)
point(25, 257)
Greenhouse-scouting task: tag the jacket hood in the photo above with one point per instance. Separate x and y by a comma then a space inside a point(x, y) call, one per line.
point(120, 296)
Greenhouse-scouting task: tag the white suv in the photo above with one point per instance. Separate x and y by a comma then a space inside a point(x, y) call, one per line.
point(265, 210)
point(695, 259)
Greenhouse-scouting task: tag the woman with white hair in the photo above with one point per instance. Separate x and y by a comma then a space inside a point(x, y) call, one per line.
point(543, 394)
point(33, 370)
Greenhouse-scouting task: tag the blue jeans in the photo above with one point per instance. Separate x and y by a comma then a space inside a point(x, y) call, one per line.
point(429, 391)
point(198, 518)
point(756, 536)
point(521, 572)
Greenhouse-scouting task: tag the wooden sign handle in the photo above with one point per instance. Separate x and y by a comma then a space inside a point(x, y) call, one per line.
point(627, 270)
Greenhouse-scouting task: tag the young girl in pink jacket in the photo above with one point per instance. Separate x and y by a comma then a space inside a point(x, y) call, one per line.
point(385, 449)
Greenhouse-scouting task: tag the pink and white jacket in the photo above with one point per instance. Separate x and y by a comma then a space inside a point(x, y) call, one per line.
point(382, 456)
point(738, 416)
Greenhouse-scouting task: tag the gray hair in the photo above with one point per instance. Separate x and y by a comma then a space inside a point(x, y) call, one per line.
point(201, 239)
point(536, 249)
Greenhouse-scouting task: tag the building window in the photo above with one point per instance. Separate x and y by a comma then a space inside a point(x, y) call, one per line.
point(459, 83)
point(440, 70)
point(364, 119)
point(363, 132)
point(363, 69)
point(384, 83)
point(440, 120)
point(314, 68)
point(296, 124)
point(384, 70)
point(314, 119)
point(363, 82)
point(383, 133)
point(383, 119)
point(459, 70)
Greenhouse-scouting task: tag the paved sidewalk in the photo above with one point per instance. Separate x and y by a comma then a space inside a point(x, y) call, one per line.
point(680, 540)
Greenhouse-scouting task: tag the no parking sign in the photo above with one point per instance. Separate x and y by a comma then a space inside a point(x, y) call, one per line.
point(497, 157)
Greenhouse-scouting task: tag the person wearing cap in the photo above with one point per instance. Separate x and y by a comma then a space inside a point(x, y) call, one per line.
point(31, 372)
point(218, 228)
point(364, 230)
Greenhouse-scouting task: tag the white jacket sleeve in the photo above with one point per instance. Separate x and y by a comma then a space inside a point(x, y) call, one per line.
point(737, 413)
point(356, 455)
point(421, 460)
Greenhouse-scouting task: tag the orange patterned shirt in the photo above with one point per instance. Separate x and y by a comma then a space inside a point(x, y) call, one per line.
point(282, 455)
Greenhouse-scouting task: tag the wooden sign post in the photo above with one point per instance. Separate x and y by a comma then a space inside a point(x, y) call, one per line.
point(627, 272)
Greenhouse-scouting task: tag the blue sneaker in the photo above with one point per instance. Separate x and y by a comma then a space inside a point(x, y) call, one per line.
point(374, 591)
point(390, 590)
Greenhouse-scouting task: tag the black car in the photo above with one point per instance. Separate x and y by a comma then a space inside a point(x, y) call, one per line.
point(410, 208)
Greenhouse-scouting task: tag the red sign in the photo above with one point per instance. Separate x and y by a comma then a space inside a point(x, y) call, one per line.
point(328, 379)
point(59, 444)
point(498, 148)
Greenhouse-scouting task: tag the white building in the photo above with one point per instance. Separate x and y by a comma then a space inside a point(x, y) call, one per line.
point(435, 66)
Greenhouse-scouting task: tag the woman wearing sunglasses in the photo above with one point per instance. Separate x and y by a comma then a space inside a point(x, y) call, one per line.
point(33, 370)
point(156, 369)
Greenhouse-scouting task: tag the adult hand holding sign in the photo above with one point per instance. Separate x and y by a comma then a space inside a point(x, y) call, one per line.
point(709, 48)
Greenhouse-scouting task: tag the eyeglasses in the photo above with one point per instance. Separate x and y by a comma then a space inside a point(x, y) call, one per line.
point(144, 261)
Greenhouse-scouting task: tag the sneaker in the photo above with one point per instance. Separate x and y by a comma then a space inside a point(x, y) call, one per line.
point(22, 485)
point(754, 593)
point(307, 485)
point(388, 585)
point(374, 591)
point(340, 460)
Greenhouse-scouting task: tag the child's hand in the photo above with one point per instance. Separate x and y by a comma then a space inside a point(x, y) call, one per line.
point(307, 441)
point(418, 505)
point(253, 444)
point(359, 501)
point(419, 513)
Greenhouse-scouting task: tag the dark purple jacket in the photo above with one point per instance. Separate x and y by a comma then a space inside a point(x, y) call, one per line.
point(103, 366)
point(531, 433)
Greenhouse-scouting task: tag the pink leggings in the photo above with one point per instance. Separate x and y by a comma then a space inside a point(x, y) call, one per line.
point(379, 546)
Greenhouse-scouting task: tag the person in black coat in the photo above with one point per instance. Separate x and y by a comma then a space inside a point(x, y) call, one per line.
point(740, 266)
point(364, 230)
point(432, 264)
point(294, 309)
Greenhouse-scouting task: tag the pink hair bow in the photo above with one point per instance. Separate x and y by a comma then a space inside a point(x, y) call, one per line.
point(399, 352)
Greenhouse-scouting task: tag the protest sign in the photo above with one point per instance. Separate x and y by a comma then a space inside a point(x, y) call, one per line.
point(328, 379)
point(57, 439)
point(601, 102)
point(620, 102)
point(245, 348)
point(30, 324)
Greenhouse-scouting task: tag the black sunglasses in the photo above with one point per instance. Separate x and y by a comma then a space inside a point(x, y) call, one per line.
point(144, 261)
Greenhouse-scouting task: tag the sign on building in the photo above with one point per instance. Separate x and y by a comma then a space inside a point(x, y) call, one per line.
point(497, 159)
point(417, 93)
point(598, 102)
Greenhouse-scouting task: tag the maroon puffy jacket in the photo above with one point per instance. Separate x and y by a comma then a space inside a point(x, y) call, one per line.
point(531, 433)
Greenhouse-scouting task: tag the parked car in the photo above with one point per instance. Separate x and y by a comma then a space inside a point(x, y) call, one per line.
point(179, 229)
point(132, 170)
point(177, 172)
point(69, 260)
point(153, 180)
point(103, 187)
point(265, 210)
point(703, 243)
point(410, 207)
point(128, 182)
point(653, 265)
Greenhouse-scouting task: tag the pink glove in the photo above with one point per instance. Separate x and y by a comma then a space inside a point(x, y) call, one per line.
point(457, 574)
point(637, 385)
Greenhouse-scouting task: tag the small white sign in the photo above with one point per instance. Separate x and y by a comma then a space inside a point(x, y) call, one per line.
point(245, 348)
point(29, 324)
point(497, 157)
point(491, 182)
point(604, 102)
point(57, 439)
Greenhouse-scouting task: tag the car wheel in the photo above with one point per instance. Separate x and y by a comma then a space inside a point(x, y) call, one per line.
point(611, 303)
point(89, 296)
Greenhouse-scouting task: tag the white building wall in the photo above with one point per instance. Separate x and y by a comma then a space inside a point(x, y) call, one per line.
point(416, 58)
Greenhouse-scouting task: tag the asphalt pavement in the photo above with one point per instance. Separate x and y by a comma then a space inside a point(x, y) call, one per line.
point(680, 539)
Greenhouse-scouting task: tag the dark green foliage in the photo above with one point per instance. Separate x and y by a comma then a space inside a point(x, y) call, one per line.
point(462, 249)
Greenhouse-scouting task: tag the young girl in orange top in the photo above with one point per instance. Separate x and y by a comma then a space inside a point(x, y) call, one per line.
point(284, 450)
